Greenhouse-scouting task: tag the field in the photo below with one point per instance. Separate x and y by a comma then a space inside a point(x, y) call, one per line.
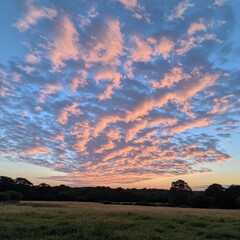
point(73, 221)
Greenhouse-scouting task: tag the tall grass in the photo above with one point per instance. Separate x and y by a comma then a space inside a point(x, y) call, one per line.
point(72, 221)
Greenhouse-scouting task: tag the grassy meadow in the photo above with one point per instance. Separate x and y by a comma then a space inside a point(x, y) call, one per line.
point(73, 221)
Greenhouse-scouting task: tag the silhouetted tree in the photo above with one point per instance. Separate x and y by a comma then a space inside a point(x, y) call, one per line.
point(217, 192)
point(12, 196)
point(238, 202)
point(6, 180)
point(23, 181)
point(201, 201)
point(231, 195)
point(180, 185)
point(44, 185)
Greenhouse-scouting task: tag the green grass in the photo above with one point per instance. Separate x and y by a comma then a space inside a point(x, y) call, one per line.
point(73, 221)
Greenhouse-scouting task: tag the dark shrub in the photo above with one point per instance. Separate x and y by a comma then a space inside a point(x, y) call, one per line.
point(12, 196)
point(180, 198)
point(2, 197)
point(202, 201)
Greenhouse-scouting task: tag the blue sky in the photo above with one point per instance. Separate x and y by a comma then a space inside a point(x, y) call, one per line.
point(120, 93)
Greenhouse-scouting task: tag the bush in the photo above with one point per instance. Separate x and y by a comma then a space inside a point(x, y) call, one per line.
point(238, 202)
point(10, 196)
point(2, 197)
point(201, 201)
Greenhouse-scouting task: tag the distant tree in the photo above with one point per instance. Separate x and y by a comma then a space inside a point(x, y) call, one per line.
point(217, 192)
point(2, 197)
point(67, 196)
point(180, 198)
point(238, 202)
point(180, 185)
point(13, 196)
point(6, 180)
point(231, 195)
point(44, 185)
point(23, 181)
point(202, 201)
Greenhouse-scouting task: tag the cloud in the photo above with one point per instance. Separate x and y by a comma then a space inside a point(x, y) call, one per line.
point(221, 105)
point(87, 20)
point(79, 80)
point(170, 79)
point(196, 27)
point(120, 152)
point(32, 59)
point(201, 122)
point(60, 137)
point(191, 42)
point(105, 147)
point(142, 51)
point(164, 47)
point(38, 150)
point(109, 75)
point(106, 46)
point(67, 111)
point(191, 88)
point(112, 93)
point(114, 135)
point(49, 89)
point(33, 15)
point(65, 44)
point(82, 133)
point(220, 2)
point(180, 9)
point(129, 3)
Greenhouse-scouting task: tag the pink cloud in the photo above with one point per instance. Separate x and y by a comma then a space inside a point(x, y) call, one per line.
point(150, 122)
point(191, 42)
point(221, 105)
point(191, 88)
point(114, 135)
point(170, 79)
point(131, 132)
point(68, 111)
point(33, 15)
point(60, 137)
point(164, 47)
point(32, 59)
point(105, 147)
point(119, 152)
point(196, 27)
point(103, 123)
point(82, 133)
point(106, 47)
point(109, 75)
point(129, 3)
point(38, 150)
point(49, 89)
point(201, 122)
point(142, 51)
point(38, 108)
point(79, 80)
point(65, 44)
point(179, 11)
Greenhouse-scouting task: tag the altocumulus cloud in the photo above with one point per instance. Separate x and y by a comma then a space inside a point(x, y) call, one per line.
point(120, 88)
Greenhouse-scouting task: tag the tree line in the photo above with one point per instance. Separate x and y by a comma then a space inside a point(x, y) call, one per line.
point(180, 194)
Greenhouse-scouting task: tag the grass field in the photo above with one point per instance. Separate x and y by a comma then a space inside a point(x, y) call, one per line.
point(73, 221)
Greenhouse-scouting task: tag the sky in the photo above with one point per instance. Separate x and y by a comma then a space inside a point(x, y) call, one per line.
point(120, 93)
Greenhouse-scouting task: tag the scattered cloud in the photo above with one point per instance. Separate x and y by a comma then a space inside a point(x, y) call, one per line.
point(65, 44)
point(123, 91)
point(33, 15)
point(180, 9)
point(67, 111)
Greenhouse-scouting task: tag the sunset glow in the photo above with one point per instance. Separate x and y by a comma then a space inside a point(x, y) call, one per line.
point(120, 93)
